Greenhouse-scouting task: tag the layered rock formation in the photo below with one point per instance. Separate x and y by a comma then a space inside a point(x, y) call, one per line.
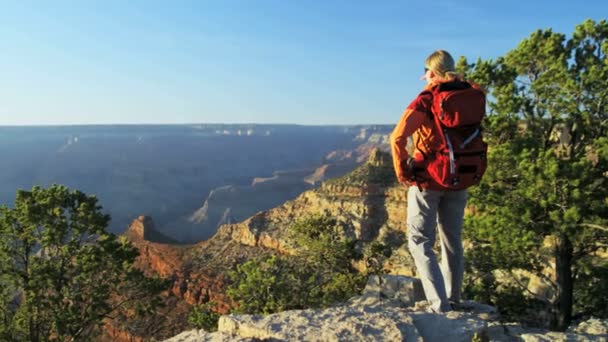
point(234, 203)
point(367, 203)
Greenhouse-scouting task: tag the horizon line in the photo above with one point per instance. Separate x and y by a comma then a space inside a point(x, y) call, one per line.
point(189, 124)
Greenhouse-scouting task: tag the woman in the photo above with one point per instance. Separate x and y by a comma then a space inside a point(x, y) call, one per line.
point(430, 205)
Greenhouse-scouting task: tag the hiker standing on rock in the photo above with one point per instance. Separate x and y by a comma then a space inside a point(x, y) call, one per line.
point(448, 155)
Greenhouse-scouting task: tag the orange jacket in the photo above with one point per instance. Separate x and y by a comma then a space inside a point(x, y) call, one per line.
point(417, 123)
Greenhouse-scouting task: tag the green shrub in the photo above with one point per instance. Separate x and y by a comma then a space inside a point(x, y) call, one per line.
point(202, 317)
point(319, 275)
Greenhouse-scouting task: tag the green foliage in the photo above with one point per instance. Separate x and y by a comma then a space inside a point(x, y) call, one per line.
point(591, 288)
point(514, 304)
point(266, 285)
point(203, 317)
point(61, 272)
point(319, 275)
point(548, 162)
point(320, 241)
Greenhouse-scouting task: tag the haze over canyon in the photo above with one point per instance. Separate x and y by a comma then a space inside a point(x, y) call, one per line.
point(189, 178)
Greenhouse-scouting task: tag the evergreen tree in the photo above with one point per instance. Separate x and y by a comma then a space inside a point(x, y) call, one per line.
point(61, 272)
point(543, 202)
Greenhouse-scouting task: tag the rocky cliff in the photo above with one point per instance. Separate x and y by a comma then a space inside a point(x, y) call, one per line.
point(191, 283)
point(391, 308)
point(235, 203)
point(367, 202)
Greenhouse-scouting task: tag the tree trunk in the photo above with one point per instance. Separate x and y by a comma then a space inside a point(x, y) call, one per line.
point(562, 307)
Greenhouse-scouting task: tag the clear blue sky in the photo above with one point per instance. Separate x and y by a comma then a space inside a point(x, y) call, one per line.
point(250, 61)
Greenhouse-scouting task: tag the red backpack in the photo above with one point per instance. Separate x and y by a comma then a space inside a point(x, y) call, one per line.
point(458, 110)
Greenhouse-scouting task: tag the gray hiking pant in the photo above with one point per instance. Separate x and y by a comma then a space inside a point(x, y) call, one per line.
point(426, 210)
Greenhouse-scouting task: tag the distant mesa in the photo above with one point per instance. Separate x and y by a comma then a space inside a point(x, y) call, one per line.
point(378, 138)
point(339, 155)
point(374, 134)
point(202, 214)
point(142, 228)
point(259, 180)
point(318, 176)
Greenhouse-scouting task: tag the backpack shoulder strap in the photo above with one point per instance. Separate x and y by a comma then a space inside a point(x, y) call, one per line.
point(432, 93)
point(427, 92)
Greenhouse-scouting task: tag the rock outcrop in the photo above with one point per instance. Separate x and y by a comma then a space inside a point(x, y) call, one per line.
point(143, 228)
point(156, 257)
point(188, 286)
point(368, 204)
point(385, 312)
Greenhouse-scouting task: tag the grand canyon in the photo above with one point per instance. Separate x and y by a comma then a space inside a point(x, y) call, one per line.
point(190, 178)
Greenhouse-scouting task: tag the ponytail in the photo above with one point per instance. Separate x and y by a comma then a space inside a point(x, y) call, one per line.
point(442, 63)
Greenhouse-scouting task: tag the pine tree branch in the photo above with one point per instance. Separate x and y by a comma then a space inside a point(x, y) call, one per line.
point(594, 226)
point(587, 250)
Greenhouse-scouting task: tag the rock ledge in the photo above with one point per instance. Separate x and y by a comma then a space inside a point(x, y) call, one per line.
point(390, 309)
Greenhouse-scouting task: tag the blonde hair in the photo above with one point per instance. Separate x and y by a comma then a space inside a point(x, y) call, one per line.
point(442, 63)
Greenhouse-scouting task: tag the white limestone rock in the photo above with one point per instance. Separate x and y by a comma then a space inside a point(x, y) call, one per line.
point(382, 313)
point(344, 323)
point(552, 336)
point(472, 320)
point(204, 336)
point(591, 330)
point(504, 332)
point(593, 326)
